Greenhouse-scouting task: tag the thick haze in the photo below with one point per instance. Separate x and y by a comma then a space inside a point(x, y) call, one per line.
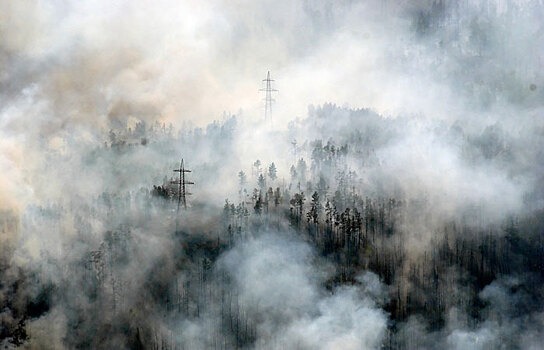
point(78, 69)
point(438, 103)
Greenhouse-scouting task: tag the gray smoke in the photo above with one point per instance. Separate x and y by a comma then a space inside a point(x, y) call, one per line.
point(437, 104)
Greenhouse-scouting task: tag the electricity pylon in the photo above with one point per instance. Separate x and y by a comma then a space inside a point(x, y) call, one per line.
point(268, 100)
point(182, 193)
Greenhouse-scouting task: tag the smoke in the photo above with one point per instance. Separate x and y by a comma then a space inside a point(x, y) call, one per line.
point(278, 280)
point(78, 69)
point(440, 112)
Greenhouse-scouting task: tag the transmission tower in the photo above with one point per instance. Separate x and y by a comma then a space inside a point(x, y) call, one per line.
point(268, 100)
point(182, 193)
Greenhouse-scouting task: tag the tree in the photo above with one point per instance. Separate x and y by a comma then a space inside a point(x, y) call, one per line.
point(293, 172)
point(272, 172)
point(257, 167)
point(261, 182)
point(269, 196)
point(301, 169)
point(297, 202)
point(140, 129)
point(258, 203)
point(277, 197)
point(242, 178)
point(328, 212)
point(322, 186)
point(226, 210)
point(315, 209)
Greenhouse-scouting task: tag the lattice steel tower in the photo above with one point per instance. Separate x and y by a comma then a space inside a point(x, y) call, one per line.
point(268, 100)
point(182, 193)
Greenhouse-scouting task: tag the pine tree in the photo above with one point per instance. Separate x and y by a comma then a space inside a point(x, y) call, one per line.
point(315, 209)
point(242, 178)
point(272, 171)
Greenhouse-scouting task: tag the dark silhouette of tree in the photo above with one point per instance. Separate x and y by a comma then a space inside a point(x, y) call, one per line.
point(315, 209)
point(297, 206)
point(277, 197)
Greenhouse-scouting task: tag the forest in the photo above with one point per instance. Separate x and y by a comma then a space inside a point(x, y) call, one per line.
point(389, 197)
point(323, 248)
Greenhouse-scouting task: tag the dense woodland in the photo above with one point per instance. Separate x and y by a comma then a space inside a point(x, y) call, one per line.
point(148, 272)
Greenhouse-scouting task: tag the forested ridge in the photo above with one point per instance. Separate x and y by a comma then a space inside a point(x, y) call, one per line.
point(135, 272)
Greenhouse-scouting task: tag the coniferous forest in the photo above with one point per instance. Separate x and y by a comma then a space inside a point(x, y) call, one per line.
point(136, 214)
